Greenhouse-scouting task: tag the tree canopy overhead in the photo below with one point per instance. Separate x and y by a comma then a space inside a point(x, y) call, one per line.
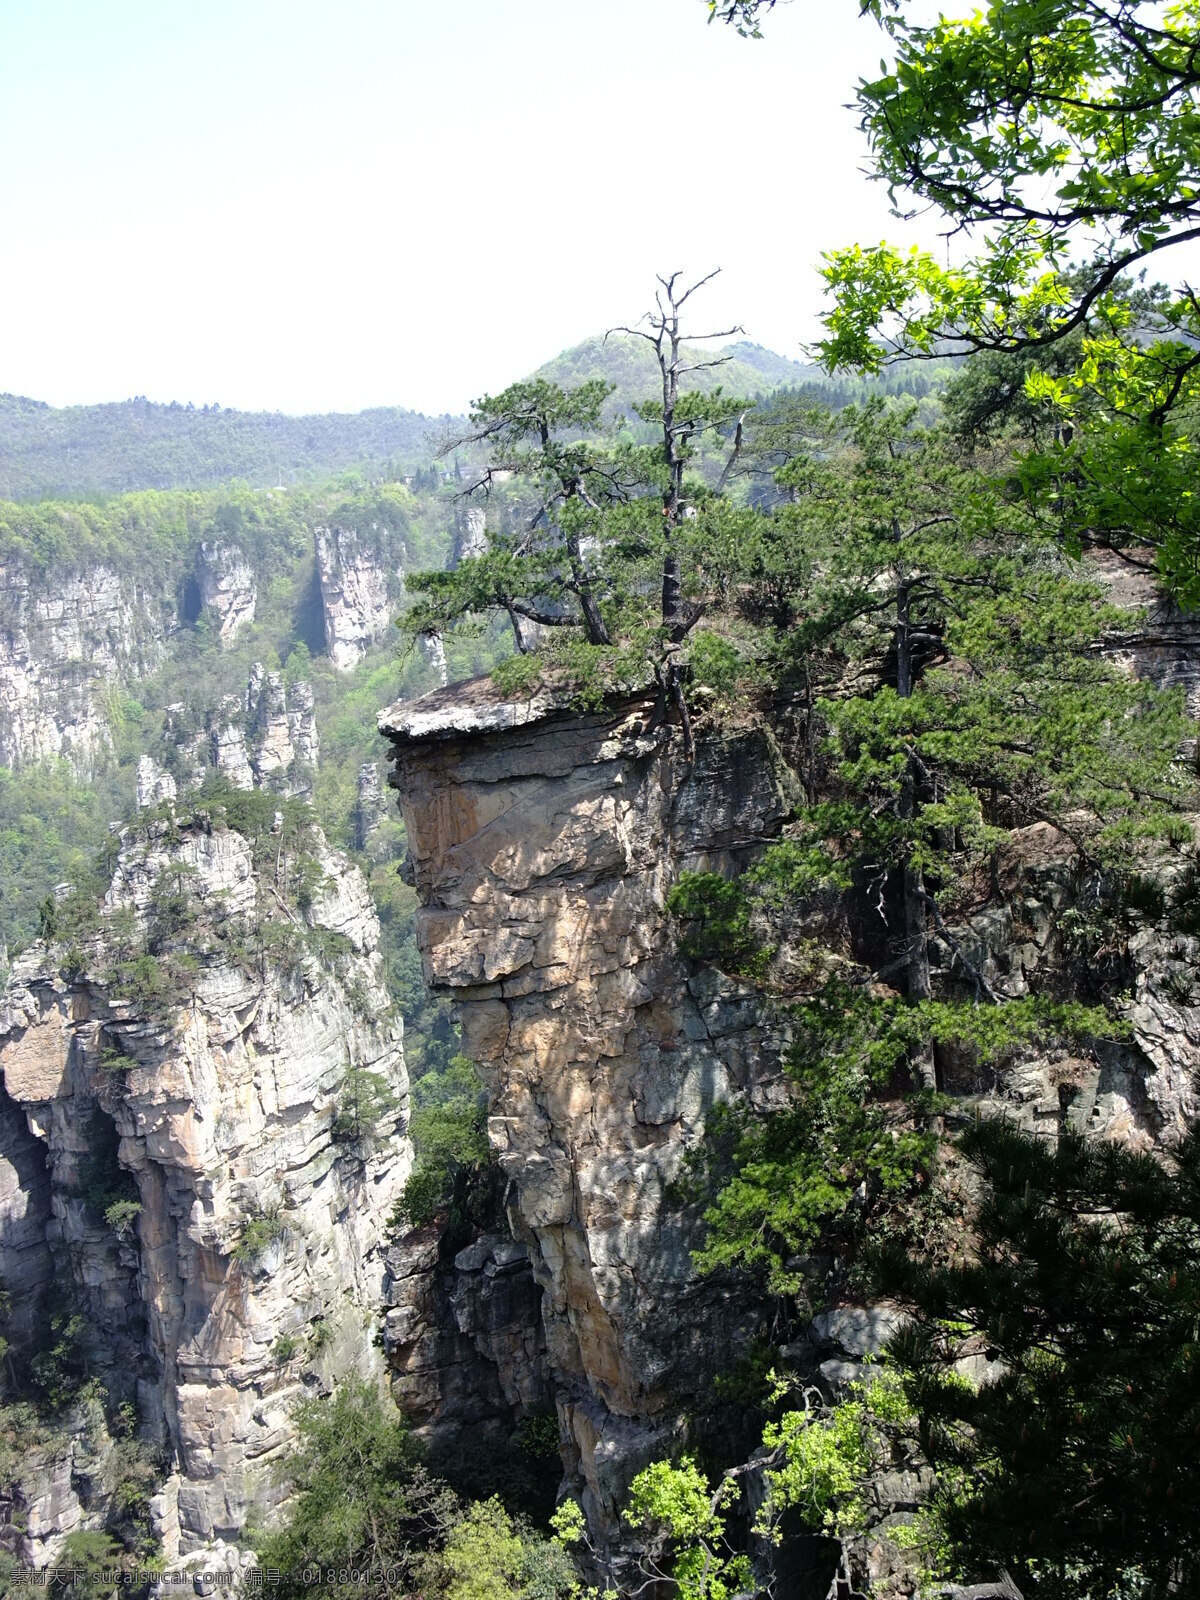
point(1060, 139)
point(1067, 132)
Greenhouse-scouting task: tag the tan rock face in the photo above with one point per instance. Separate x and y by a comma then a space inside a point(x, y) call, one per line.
point(542, 852)
point(215, 1112)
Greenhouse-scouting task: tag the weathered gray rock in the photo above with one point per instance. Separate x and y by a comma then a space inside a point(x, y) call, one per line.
point(433, 648)
point(280, 740)
point(1163, 643)
point(228, 589)
point(464, 1338)
point(470, 538)
point(153, 784)
point(858, 1330)
point(357, 594)
point(217, 1109)
point(370, 808)
point(66, 641)
point(228, 744)
point(24, 1218)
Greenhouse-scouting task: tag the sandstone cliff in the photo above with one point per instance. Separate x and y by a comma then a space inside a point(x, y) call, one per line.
point(179, 1164)
point(69, 642)
point(227, 587)
point(358, 594)
point(543, 844)
point(264, 738)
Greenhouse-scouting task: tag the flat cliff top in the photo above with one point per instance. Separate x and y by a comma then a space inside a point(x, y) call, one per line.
point(474, 707)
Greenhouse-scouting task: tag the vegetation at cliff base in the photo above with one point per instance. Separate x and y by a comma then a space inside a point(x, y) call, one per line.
point(368, 1518)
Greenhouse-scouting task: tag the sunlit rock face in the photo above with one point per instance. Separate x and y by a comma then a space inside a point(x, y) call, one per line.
point(264, 738)
point(204, 1113)
point(283, 747)
point(356, 594)
point(543, 844)
point(67, 641)
point(228, 589)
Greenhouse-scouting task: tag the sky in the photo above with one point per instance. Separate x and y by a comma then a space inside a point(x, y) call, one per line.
point(320, 205)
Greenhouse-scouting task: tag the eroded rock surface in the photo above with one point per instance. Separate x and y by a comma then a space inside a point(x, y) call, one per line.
point(65, 644)
point(357, 593)
point(208, 1113)
point(228, 588)
point(463, 1334)
point(543, 844)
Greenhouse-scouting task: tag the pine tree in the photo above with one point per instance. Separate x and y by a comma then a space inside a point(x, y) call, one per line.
point(595, 529)
point(1076, 1462)
point(966, 694)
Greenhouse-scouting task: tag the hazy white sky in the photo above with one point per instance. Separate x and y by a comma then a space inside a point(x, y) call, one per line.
point(313, 205)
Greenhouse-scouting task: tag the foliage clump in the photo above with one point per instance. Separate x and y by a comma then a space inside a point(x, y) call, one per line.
point(260, 1230)
point(715, 919)
point(365, 1505)
point(364, 1101)
point(1082, 1293)
point(454, 1174)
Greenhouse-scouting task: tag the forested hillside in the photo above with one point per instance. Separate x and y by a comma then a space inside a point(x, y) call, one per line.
point(48, 451)
point(83, 451)
point(748, 371)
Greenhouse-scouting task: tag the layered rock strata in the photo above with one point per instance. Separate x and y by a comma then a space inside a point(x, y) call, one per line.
point(463, 1336)
point(357, 594)
point(65, 645)
point(281, 733)
point(542, 846)
point(228, 588)
point(244, 1263)
point(370, 810)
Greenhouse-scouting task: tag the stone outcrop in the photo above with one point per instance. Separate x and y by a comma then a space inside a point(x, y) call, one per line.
point(66, 643)
point(464, 1336)
point(281, 733)
point(542, 844)
point(358, 594)
point(265, 738)
point(244, 1264)
point(153, 784)
point(370, 810)
point(227, 585)
point(470, 534)
point(1163, 646)
point(433, 648)
point(228, 745)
